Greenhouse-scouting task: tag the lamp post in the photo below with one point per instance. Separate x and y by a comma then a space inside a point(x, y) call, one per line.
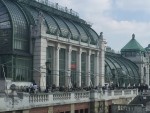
point(4, 78)
point(40, 80)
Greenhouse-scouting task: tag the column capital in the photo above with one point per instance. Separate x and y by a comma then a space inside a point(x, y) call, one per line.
point(97, 53)
point(57, 46)
point(69, 48)
point(89, 52)
point(80, 50)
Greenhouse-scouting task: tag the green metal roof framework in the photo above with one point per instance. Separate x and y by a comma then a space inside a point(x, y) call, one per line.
point(16, 16)
point(132, 45)
point(56, 20)
point(123, 68)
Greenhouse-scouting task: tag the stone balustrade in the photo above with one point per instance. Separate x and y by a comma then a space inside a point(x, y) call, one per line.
point(61, 96)
point(27, 101)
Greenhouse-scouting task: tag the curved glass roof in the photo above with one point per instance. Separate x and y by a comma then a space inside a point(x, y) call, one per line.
point(120, 70)
point(53, 27)
point(20, 34)
point(23, 14)
point(83, 34)
point(94, 36)
point(63, 28)
point(5, 29)
point(74, 31)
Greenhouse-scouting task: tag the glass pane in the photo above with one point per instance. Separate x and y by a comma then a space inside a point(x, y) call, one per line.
point(49, 65)
point(62, 63)
point(83, 69)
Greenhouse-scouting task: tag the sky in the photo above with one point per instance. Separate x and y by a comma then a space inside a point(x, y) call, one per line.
point(117, 19)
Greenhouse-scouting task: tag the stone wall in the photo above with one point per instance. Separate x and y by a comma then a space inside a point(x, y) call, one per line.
point(39, 110)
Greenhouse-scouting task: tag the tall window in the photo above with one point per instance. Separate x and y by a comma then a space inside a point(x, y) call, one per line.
point(49, 66)
point(20, 27)
point(83, 69)
point(62, 64)
point(22, 69)
point(92, 68)
point(6, 68)
point(73, 67)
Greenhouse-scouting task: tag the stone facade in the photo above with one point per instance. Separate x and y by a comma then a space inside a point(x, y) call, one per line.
point(43, 40)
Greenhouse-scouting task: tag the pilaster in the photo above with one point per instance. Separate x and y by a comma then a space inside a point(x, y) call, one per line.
point(102, 59)
point(68, 75)
point(79, 68)
point(39, 60)
point(26, 111)
point(96, 77)
point(72, 108)
point(57, 65)
point(147, 74)
point(88, 79)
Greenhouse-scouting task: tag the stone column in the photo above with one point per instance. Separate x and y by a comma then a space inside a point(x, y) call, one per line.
point(102, 67)
point(147, 74)
point(96, 77)
point(88, 74)
point(72, 107)
point(57, 65)
point(26, 111)
point(102, 46)
point(39, 60)
point(68, 75)
point(79, 68)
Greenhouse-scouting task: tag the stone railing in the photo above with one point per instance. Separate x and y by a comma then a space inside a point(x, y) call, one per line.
point(113, 94)
point(118, 92)
point(38, 98)
point(27, 101)
point(128, 92)
point(82, 95)
point(61, 96)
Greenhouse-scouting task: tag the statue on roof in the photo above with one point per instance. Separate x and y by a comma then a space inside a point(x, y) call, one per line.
point(101, 35)
point(133, 36)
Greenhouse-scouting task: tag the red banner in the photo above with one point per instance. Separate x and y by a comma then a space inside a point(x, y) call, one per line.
point(73, 66)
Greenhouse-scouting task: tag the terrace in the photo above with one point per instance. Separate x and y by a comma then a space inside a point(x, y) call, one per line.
point(22, 100)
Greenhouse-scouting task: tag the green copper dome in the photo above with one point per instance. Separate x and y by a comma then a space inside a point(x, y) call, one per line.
point(132, 45)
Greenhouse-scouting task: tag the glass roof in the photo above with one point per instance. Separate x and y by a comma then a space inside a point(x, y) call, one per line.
point(73, 29)
point(63, 28)
point(20, 26)
point(83, 34)
point(53, 27)
point(121, 68)
point(23, 15)
point(5, 29)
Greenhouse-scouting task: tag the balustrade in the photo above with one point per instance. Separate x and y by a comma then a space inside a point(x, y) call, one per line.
point(80, 95)
point(62, 96)
point(135, 91)
point(117, 92)
point(109, 93)
point(38, 98)
point(127, 92)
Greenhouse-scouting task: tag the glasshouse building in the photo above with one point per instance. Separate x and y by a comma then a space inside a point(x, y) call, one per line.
point(45, 44)
point(50, 44)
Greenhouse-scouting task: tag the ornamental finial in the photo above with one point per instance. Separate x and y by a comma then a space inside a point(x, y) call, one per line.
point(133, 36)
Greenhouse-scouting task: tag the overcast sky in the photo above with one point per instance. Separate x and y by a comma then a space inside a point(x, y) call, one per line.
point(117, 19)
